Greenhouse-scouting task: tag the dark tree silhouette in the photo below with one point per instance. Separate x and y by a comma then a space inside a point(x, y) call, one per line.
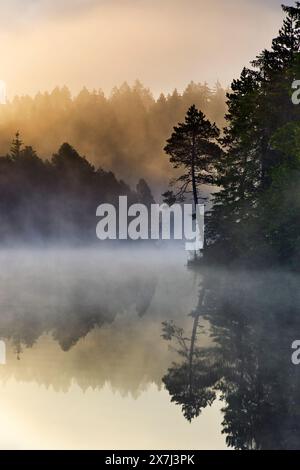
point(15, 150)
point(192, 147)
point(56, 200)
point(260, 158)
point(144, 192)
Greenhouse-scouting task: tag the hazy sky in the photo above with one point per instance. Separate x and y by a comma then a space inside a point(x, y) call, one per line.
point(101, 43)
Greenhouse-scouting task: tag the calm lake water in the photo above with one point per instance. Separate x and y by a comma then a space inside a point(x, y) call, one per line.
point(133, 350)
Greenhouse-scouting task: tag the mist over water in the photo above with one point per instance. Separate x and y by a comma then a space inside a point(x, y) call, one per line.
point(87, 325)
point(68, 293)
point(112, 336)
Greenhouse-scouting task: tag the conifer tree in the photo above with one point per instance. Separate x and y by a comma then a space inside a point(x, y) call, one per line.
point(192, 147)
point(16, 146)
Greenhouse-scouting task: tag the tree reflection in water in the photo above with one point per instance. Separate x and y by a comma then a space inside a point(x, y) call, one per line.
point(253, 319)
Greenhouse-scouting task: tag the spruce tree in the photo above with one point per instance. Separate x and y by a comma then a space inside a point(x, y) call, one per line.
point(16, 146)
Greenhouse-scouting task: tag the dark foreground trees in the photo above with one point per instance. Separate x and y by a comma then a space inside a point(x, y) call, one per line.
point(255, 213)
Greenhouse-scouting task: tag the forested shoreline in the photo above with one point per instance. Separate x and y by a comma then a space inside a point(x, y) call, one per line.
point(55, 200)
point(254, 162)
point(255, 216)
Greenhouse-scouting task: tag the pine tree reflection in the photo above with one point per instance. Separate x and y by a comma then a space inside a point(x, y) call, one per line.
point(254, 318)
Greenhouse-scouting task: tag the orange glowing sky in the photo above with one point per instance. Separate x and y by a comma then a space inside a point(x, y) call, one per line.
point(101, 43)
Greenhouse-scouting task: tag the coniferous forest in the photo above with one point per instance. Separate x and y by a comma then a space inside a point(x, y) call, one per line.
point(250, 265)
point(52, 195)
point(254, 172)
point(123, 132)
point(100, 346)
point(256, 213)
point(55, 200)
point(246, 151)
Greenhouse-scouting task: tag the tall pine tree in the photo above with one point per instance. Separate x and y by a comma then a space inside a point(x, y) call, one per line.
point(192, 147)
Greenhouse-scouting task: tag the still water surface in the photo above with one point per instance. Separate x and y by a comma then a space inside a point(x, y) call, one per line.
point(100, 342)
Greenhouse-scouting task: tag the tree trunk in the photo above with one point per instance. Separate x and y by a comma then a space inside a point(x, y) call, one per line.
point(193, 338)
point(195, 194)
point(194, 185)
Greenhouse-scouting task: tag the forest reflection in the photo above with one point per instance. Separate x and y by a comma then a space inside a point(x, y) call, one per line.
point(91, 317)
point(95, 318)
point(253, 319)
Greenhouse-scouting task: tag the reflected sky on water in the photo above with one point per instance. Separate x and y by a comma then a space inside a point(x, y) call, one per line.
point(133, 349)
point(85, 355)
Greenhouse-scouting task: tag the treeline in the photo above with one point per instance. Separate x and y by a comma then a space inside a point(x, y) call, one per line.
point(254, 162)
point(256, 214)
point(124, 132)
point(56, 199)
